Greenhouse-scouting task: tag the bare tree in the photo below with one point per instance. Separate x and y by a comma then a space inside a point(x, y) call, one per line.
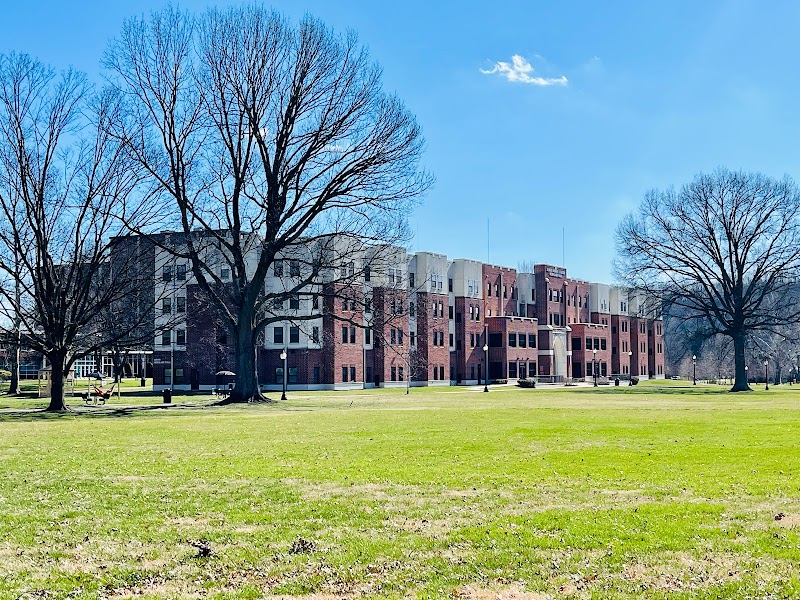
point(724, 248)
point(64, 195)
point(271, 139)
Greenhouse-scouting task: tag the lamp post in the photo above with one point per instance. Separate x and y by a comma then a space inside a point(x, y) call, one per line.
point(694, 369)
point(486, 367)
point(594, 366)
point(283, 358)
point(766, 374)
point(630, 368)
point(144, 367)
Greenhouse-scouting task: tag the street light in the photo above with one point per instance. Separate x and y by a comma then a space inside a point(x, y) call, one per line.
point(283, 358)
point(594, 366)
point(630, 367)
point(766, 374)
point(694, 369)
point(486, 367)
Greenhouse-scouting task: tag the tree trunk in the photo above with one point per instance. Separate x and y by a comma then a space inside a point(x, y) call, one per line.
point(13, 387)
point(57, 362)
point(245, 388)
point(740, 383)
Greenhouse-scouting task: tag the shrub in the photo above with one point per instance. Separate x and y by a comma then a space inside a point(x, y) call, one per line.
point(527, 383)
point(634, 380)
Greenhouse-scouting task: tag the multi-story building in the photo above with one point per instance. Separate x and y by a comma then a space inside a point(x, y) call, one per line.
point(384, 317)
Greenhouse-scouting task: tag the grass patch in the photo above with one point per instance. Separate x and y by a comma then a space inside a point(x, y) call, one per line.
point(611, 492)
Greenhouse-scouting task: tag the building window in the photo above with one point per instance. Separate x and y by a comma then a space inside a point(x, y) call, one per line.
point(168, 376)
point(412, 338)
point(522, 340)
point(505, 291)
point(180, 304)
point(180, 337)
point(315, 334)
point(166, 273)
point(512, 370)
point(294, 335)
point(411, 279)
point(277, 268)
point(292, 375)
point(412, 312)
point(532, 369)
point(352, 335)
point(352, 373)
point(596, 344)
point(393, 336)
point(531, 340)
point(471, 313)
point(166, 306)
point(294, 302)
point(512, 340)
point(441, 338)
point(166, 337)
point(345, 372)
point(277, 334)
point(180, 272)
point(394, 373)
point(588, 343)
point(344, 334)
point(450, 285)
point(279, 375)
point(451, 340)
point(450, 312)
point(602, 343)
point(225, 274)
point(366, 273)
point(294, 268)
point(400, 373)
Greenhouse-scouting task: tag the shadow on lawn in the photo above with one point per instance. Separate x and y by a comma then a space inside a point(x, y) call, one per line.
point(689, 390)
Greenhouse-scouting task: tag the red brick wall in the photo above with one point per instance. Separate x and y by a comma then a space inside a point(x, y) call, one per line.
point(655, 340)
point(388, 355)
point(500, 276)
point(465, 356)
point(583, 357)
point(639, 345)
point(621, 341)
point(431, 356)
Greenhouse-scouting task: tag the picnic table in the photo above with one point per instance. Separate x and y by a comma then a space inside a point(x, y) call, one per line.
point(97, 395)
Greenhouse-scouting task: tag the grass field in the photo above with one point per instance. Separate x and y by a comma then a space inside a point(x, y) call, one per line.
point(450, 493)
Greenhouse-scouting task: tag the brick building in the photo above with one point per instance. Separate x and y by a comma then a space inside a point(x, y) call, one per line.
point(408, 319)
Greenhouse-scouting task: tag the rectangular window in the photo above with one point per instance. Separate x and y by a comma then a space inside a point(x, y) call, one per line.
point(450, 312)
point(496, 290)
point(294, 335)
point(531, 340)
point(471, 340)
point(451, 340)
point(352, 335)
point(279, 375)
point(412, 310)
point(180, 272)
point(344, 334)
point(505, 291)
point(366, 273)
point(166, 337)
point(344, 303)
point(400, 373)
point(367, 336)
point(225, 274)
point(394, 373)
point(603, 369)
point(393, 336)
point(294, 270)
point(277, 334)
point(441, 338)
point(602, 343)
point(512, 340)
point(512, 370)
point(488, 289)
point(352, 304)
point(180, 304)
point(400, 336)
point(522, 340)
point(277, 268)
point(292, 375)
point(532, 369)
point(168, 376)
point(413, 338)
point(294, 302)
point(345, 372)
point(166, 306)
point(411, 280)
point(315, 334)
point(596, 344)
point(352, 373)
point(588, 343)
point(166, 273)
point(471, 312)
point(450, 285)
point(180, 337)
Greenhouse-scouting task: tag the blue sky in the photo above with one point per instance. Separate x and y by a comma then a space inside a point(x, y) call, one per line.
point(655, 92)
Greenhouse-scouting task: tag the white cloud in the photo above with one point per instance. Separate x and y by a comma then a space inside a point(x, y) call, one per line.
point(519, 70)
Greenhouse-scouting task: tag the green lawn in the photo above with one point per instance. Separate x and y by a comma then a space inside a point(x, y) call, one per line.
point(656, 491)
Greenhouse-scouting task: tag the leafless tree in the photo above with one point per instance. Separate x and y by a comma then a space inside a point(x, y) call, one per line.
point(270, 138)
point(64, 196)
point(725, 248)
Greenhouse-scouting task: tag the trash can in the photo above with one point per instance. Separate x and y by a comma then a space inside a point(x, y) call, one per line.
point(167, 396)
point(616, 381)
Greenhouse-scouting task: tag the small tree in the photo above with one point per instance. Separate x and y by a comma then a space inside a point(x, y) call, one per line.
point(65, 190)
point(725, 249)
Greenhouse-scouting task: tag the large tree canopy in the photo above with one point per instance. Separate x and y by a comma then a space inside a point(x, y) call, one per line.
point(725, 248)
point(272, 139)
